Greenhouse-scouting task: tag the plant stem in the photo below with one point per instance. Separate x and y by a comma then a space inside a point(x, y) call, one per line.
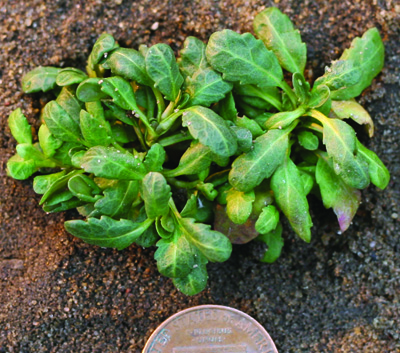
point(167, 123)
point(139, 134)
point(182, 184)
point(288, 90)
point(167, 112)
point(160, 102)
point(171, 140)
point(173, 208)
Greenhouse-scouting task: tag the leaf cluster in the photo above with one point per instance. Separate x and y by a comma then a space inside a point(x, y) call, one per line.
point(155, 150)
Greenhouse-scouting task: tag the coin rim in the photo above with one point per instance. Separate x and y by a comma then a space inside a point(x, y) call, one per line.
point(208, 306)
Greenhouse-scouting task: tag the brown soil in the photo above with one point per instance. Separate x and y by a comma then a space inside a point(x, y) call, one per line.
point(338, 294)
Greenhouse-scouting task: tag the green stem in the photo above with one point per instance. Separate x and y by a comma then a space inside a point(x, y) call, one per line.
point(139, 114)
point(139, 134)
point(288, 90)
point(160, 102)
point(168, 122)
point(173, 208)
point(118, 146)
point(167, 112)
point(171, 140)
point(272, 100)
point(182, 184)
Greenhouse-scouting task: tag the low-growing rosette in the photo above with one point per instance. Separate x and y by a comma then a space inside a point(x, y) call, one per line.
point(191, 154)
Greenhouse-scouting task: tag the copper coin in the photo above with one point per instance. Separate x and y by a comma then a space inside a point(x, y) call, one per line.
point(210, 329)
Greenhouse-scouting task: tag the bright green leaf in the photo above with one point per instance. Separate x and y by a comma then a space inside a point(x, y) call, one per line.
point(195, 159)
point(193, 56)
point(274, 242)
point(268, 220)
point(19, 126)
point(215, 246)
point(20, 169)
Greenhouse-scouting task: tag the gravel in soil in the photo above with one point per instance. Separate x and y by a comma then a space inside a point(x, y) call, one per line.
point(338, 294)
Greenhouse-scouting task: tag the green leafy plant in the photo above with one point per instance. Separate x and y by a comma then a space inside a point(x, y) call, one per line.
point(196, 153)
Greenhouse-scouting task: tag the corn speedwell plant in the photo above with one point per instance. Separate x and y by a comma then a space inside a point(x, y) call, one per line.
point(155, 150)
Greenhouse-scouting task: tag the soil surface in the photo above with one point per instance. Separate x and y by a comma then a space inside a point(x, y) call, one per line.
point(340, 293)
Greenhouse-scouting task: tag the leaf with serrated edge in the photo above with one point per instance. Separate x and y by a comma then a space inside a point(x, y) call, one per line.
point(243, 58)
point(211, 130)
point(94, 130)
point(60, 124)
point(335, 192)
point(250, 169)
point(290, 197)
point(121, 92)
point(195, 159)
point(42, 182)
point(278, 34)
point(19, 126)
point(341, 75)
point(155, 158)
point(42, 78)
point(239, 205)
point(155, 194)
point(206, 87)
point(110, 163)
point(163, 70)
point(193, 56)
point(118, 198)
point(215, 246)
point(107, 232)
point(194, 282)
point(130, 64)
point(174, 256)
point(368, 52)
point(340, 141)
point(268, 220)
point(19, 168)
point(69, 102)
